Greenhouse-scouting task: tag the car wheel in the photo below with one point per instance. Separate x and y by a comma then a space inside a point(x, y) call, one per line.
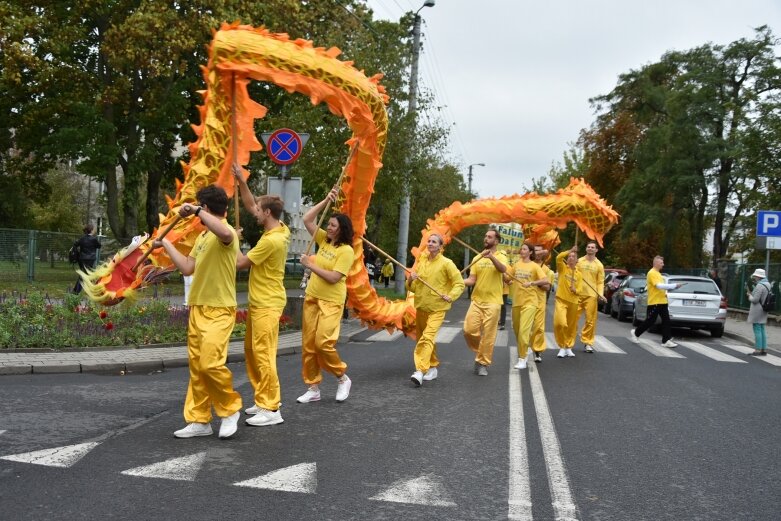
point(635, 322)
point(613, 312)
point(608, 307)
point(621, 315)
point(717, 332)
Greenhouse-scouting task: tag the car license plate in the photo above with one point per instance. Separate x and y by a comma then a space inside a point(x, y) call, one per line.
point(699, 303)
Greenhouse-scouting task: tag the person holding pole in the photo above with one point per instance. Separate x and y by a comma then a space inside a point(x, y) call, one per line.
point(325, 295)
point(568, 291)
point(657, 304)
point(526, 277)
point(212, 303)
point(538, 330)
point(432, 301)
point(267, 299)
point(482, 318)
point(593, 287)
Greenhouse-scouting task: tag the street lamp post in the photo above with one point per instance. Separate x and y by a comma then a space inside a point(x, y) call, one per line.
point(469, 185)
point(401, 251)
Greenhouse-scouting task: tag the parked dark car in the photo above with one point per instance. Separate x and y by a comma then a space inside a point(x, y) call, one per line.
point(613, 278)
point(623, 301)
point(698, 304)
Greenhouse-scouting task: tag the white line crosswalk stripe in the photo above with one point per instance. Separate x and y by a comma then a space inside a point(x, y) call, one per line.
point(770, 359)
point(711, 353)
point(384, 336)
point(657, 350)
point(603, 345)
point(447, 334)
point(502, 338)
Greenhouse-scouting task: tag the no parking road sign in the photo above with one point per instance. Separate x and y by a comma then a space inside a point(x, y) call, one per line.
point(284, 146)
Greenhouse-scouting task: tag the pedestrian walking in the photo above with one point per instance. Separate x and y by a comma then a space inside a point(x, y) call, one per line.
point(527, 277)
point(568, 291)
point(505, 298)
point(657, 304)
point(482, 318)
point(431, 305)
point(325, 300)
point(757, 316)
point(387, 272)
point(593, 292)
point(212, 303)
point(538, 330)
point(87, 247)
point(267, 299)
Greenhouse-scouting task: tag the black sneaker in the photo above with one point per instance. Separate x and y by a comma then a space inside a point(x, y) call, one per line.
point(537, 358)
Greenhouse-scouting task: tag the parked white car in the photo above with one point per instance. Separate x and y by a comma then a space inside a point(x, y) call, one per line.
point(698, 304)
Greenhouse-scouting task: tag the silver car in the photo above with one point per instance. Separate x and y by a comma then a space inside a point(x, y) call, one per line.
point(624, 297)
point(698, 304)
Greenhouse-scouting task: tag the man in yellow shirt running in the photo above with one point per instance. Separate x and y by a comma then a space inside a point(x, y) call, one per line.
point(593, 289)
point(267, 299)
point(440, 273)
point(657, 304)
point(212, 302)
point(527, 277)
point(482, 318)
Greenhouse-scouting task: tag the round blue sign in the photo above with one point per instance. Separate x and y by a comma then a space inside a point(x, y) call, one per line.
point(284, 146)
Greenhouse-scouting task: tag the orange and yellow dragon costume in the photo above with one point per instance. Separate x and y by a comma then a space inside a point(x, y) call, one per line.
point(239, 54)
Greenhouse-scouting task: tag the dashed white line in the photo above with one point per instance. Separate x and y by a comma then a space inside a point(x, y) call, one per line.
point(519, 497)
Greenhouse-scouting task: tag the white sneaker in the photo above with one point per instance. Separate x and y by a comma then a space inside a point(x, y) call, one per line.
point(343, 390)
point(252, 410)
point(417, 378)
point(589, 348)
point(521, 364)
point(570, 353)
point(265, 417)
point(670, 343)
point(229, 425)
point(194, 429)
point(311, 395)
point(562, 353)
point(431, 374)
point(634, 338)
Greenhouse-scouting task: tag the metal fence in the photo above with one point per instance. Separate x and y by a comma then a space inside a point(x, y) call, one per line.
point(33, 255)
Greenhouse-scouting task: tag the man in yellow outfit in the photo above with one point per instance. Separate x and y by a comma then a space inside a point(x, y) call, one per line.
point(267, 298)
point(565, 313)
point(440, 273)
point(212, 302)
point(538, 330)
point(482, 318)
point(593, 289)
point(387, 272)
point(527, 277)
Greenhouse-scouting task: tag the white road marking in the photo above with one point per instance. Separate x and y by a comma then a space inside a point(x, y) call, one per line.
point(770, 359)
point(424, 490)
point(550, 342)
point(502, 338)
point(296, 478)
point(384, 336)
point(603, 345)
point(3, 432)
point(447, 334)
point(657, 350)
point(180, 469)
point(711, 353)
point(564, 508)
point(63, 457)
point(519, 498)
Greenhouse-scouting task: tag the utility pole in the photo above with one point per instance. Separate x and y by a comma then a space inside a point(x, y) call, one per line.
point(469, 185)
point(401, 251)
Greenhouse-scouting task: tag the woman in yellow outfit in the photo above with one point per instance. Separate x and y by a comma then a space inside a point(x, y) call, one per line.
point(324, 301)
point(430, 307)
point(526, 276)
point(387, 272)
point(569, 288)
point(538, 330)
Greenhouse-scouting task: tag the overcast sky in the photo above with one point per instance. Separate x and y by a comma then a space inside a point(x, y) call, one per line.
point(516, 76)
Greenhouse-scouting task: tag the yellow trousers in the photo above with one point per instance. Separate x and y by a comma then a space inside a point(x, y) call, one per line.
point(260, 352)
point(589, 306)
point(538, 330)
point(211, 382)
point(523, 320)
point(321, 321)
point(427, 324)
point(480, 330)
point(565, 323)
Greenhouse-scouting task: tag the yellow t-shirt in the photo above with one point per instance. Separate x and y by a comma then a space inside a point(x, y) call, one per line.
point(214, 278)
point(267, 274)
point(655, 295)
point(488, 288)
point(567, 277)
point(331, 258)
point(542, 294)
point(442, 274)
point(593, 274)
point(525, 272)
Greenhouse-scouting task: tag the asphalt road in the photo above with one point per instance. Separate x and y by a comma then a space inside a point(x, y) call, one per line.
point(624, 433)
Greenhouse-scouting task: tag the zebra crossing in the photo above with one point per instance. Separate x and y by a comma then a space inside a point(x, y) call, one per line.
point(602, 344)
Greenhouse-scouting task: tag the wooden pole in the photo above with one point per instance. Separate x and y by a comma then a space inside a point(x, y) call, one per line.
point(146, 255)
point(235, 154)
point(397, 263)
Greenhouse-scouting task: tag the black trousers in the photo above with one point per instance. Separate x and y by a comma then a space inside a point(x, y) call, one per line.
point(503, 311)
point(653, 311)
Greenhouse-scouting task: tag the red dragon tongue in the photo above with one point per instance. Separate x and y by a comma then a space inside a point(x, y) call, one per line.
point(123, 275)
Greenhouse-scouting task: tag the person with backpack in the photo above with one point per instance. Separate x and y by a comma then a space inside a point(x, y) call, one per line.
point(762, 301)
point(86, 247)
